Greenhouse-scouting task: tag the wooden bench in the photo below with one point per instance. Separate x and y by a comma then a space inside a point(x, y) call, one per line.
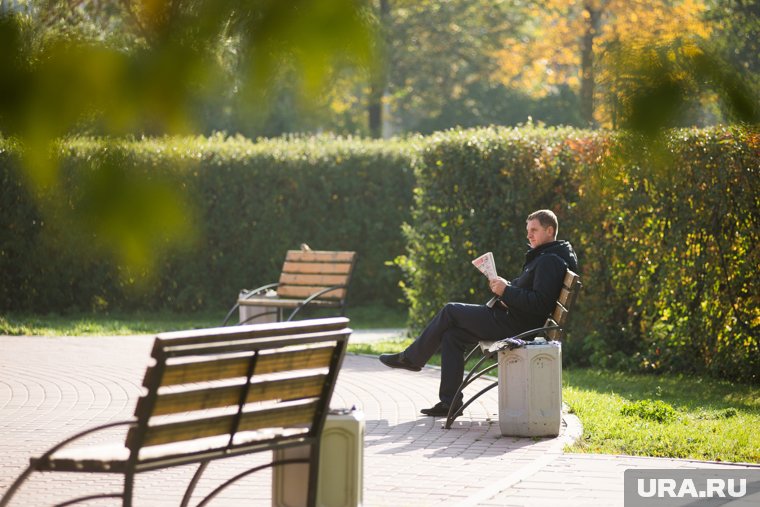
point(309, 278)
point(213, 394)
point(553, 329)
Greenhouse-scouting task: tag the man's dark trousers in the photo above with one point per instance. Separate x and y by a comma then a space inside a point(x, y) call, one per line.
point(456, 329)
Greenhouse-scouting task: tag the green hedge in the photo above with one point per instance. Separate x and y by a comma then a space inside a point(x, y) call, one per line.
point(250, 202)
point(666, 234)
point(675, 244)
point(666, 231)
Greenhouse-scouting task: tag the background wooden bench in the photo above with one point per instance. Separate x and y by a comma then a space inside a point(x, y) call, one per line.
point(218, 393)
point(553, 329)
point(315, 278)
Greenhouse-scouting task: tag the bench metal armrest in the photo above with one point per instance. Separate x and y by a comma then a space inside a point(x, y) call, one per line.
point(500, 344)
point(84, 433)
point(315, 296)
point(248, 294)
point(253, 292)
point(46, 456)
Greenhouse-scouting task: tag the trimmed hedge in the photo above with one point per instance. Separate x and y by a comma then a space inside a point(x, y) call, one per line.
point(250, 203)
point(677, 229)
point(666, 231)
point(666, 234)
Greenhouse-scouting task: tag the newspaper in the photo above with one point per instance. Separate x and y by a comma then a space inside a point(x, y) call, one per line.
point(486, 265)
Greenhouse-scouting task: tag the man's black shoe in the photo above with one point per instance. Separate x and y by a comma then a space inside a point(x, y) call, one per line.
point(398, 361)
point(440, 409)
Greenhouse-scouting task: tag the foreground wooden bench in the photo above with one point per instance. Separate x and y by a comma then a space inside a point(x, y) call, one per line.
point(213, 394)
point(553, 329)
point(316, 278)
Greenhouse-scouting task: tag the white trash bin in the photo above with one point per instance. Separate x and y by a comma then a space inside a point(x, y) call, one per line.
point(341, 466)
point(530, 390)
point(265, 313)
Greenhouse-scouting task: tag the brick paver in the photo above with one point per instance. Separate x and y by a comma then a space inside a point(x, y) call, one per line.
point(51, 388)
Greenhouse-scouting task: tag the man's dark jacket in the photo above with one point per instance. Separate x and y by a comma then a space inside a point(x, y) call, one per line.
point(531, 297)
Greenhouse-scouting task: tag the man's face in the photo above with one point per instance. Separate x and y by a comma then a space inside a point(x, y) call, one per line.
point(538, 234)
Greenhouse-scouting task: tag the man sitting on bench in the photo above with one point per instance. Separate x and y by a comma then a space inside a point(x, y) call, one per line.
point(522, 304)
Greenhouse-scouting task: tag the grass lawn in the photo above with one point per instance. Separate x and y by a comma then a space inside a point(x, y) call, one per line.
point(664, 415)
point(103, 324)
point(109, 324)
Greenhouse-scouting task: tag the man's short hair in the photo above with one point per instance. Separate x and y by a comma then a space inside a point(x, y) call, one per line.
point(546, 218)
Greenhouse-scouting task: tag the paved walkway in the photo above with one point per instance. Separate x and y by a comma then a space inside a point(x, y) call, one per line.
point(53, 387)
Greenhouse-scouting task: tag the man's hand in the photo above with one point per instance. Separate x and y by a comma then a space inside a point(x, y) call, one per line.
point(498, 285)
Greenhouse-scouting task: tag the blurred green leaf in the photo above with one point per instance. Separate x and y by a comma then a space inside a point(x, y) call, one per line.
point(662, 79)
point(131, 212)
point(140, 67)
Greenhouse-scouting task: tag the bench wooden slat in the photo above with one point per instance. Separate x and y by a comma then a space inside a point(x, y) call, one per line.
point(553, 334)
point(559, 315)
point(320, 256)
point(188, 401)
point(572, 282)
point(217, 397)
point(263, 344)
point(571, 279)
point(285, 416)
point(289, 389)
point(251, 332)
point(287, 303)
point(564, 296)
point(315, 358)
point(201, 371)
point(321, 279)
point(304, 291)
point(317, 267)
point(216, 368)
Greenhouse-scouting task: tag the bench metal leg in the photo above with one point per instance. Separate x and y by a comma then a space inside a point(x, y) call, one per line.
point(471, 376)
point(14, 487)
point(451, 417)
point(239, 476)
point(91, 497)
point(129, 486)
point(311, 499)
point(193, 483)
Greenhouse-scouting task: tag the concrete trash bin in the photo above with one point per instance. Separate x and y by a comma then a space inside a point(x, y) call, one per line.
point(530, 390)
point(251, 314)
point(341, 466)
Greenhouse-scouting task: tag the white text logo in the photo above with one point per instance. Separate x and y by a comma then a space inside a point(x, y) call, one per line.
point(661, 488)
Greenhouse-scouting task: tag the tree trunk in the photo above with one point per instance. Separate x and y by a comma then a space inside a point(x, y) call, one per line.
point(587, 61)
point(379, 79)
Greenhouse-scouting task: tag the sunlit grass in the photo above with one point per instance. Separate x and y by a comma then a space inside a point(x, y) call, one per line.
point(380, 347)
point(711, 420)
point(102, 324)
point(117, 324)
point(362, 317)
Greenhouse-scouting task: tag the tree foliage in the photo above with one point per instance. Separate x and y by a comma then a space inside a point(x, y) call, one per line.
point(145, 67)
point(439, 52)
point(595, 47)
